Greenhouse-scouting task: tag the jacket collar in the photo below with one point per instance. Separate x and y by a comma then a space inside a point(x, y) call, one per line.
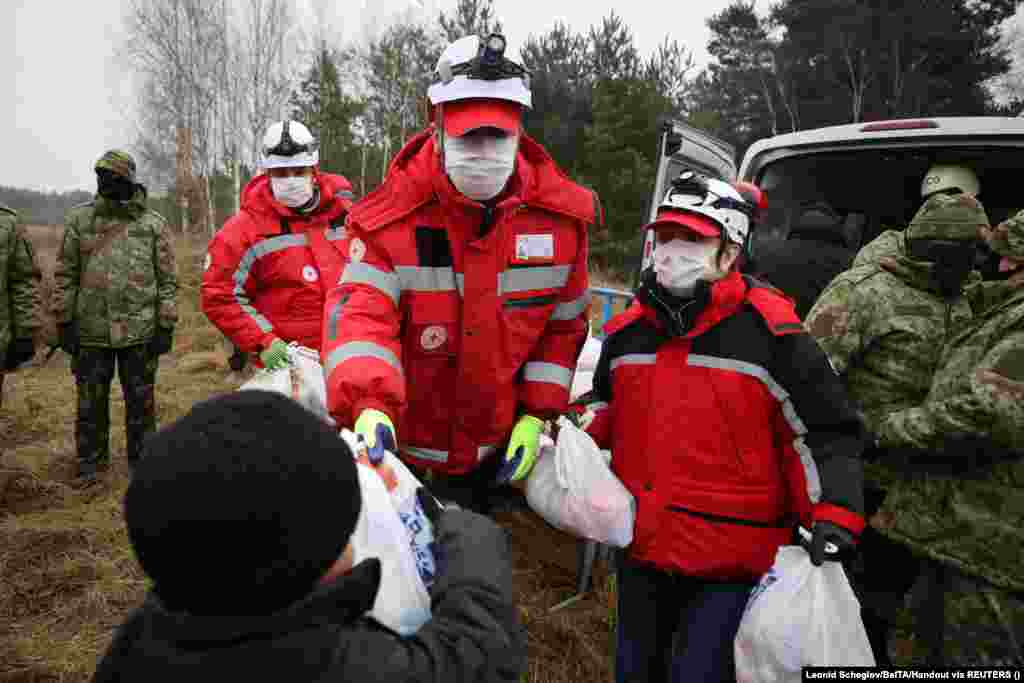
point(537, 181)
point(258, 198)
point(343, 600)
point(710, 305)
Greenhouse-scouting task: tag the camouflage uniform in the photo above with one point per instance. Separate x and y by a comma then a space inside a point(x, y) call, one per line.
point(883, 324)
point(19, 286)
point(116, 283)
point(964, 506)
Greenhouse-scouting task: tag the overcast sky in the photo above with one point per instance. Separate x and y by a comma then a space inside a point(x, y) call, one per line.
point(71, 100)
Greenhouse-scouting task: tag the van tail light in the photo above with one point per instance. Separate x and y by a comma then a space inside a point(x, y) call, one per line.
point(898, 125)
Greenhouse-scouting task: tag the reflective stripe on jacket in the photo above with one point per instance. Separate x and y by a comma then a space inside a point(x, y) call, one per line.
point(268, 269)
point(450, 333)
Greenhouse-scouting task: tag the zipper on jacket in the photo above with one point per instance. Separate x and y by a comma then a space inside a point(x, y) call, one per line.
point(487, 221)
point(780, 524)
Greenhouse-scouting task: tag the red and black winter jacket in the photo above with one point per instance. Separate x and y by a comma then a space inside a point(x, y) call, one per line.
point(729, 428)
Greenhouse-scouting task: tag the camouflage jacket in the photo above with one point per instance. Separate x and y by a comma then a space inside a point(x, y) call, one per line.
point(19, 282)
point(969, 511)
point(883, 330)
point(115, 274)
point(883, 322)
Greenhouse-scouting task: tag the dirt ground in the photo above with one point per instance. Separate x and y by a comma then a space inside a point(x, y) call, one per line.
point(67, 575)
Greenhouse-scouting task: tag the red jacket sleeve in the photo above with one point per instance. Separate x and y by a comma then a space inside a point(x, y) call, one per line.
point(362, 351)
point(548, 372)
point(226, 290)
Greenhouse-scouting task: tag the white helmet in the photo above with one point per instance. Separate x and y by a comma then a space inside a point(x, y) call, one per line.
point(950, 177)
point(468, 69)
point(289, 143)
point(694, 195)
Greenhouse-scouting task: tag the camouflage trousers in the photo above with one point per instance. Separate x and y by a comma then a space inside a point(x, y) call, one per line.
point(903, 593)
point(94, 372)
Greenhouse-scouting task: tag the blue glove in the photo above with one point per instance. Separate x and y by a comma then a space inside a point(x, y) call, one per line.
point(376, 430)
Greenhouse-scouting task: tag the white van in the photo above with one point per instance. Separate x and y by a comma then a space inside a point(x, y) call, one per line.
point(871, 171)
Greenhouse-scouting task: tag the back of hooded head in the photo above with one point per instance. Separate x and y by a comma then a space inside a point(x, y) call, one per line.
point(242, 505)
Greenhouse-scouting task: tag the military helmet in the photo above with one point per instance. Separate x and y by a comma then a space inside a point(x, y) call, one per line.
point(942, 177)
point(119, 162)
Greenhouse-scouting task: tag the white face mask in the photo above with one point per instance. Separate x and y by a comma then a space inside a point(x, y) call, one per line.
point(480, 165)
point(293, 191)
point(678, 265)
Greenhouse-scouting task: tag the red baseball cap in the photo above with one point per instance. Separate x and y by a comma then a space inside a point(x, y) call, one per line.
point(684, 219)
point(462, 116)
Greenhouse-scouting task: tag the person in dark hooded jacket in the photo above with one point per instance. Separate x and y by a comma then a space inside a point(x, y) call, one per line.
point(820, 245)
point(247, 543)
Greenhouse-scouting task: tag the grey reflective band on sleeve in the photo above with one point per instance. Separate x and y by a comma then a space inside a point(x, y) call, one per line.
point(360, 350)
point(547, 372)
point(788, 411)
point(531, 278)
point(634, 359)
point(426, 279)
point(571, 309)
point(345, 194)
point(335, 234)
point(597, 405)
point(363, 274)
point(460, 282)
point(426, 454)
point(255, 252)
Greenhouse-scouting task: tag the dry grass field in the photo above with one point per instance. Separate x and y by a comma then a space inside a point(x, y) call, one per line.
point(67, 575)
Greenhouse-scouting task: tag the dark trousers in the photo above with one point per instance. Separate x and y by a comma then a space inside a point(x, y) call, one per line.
point(675, 628)
point(474, 490)
point(94, 371)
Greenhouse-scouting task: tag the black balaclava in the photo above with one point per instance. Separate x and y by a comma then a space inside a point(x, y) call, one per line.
point(115, 186)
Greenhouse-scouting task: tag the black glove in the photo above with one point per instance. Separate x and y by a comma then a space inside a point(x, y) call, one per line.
point(162, 341)
point(18, 352)
point(67, 334)
point(827, 532)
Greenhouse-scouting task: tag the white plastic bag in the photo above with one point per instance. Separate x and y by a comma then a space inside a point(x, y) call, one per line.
point(401, 485)
point(402, 603)
point(573, 488)
point(303, 381)
point(799, 615)
point(583, 379)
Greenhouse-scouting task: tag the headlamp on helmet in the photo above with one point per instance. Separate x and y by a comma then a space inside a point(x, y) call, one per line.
point(289, 144)
point(489, 64)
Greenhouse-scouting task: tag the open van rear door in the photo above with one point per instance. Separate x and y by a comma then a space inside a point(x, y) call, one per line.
point(682, 146)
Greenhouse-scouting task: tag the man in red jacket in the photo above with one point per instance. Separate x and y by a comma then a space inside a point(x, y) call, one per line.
point(462, 306)
point(729, 427)
point(269, 268)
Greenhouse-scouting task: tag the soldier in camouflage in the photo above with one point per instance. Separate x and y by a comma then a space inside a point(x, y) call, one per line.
point(19, 295)
point(115, 307)
point(883, 324)
point(962, 504)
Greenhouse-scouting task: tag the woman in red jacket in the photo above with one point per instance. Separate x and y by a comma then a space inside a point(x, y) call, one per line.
point(729, 427)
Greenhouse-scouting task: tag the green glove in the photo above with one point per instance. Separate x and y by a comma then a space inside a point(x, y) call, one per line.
point(522, 449)
point(377, 431)
point(275, 356)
